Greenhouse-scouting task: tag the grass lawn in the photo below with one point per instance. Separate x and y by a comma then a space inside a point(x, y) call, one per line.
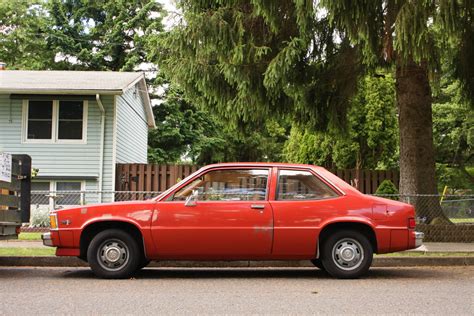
point(25, 252)
point(29, 236)
point(462, 220)
point(426, 254)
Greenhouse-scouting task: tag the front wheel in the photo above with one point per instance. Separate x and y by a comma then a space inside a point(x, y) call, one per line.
point(113, 254)
point(347, 254)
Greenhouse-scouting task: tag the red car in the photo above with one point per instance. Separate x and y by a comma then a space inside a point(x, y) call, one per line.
point(239, 211)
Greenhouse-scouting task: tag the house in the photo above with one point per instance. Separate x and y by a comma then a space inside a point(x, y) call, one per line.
point(75, 125)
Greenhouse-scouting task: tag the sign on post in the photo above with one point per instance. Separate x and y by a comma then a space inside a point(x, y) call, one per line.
point(5, 167)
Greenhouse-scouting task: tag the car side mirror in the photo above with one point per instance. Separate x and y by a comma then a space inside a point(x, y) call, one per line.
point(192, 199)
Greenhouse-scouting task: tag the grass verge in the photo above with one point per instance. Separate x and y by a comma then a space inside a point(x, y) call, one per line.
point(29, 236)
point(425, 254)
point(461, 220)
point(27, 252)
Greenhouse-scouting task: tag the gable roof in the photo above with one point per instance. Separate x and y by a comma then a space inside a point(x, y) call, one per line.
point(74, 82)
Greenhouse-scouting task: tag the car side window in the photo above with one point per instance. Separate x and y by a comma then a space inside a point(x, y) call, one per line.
point(228, 185)
point(302, 185)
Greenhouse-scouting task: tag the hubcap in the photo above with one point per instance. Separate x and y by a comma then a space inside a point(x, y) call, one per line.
point(113, 254)
point(348, 254)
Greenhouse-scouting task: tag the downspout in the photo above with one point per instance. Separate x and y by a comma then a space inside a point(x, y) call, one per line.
point(102, 143)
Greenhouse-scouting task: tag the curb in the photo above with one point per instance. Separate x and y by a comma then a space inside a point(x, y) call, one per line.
point(377, 262)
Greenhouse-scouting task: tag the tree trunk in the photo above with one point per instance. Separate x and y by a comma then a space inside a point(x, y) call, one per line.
point(417, 161)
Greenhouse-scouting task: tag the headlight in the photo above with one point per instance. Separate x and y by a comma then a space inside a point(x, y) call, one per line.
point(53, 220)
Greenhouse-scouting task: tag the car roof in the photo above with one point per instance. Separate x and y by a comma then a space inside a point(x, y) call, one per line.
point(260, 164)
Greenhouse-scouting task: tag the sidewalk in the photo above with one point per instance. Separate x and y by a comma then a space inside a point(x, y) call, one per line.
point(429, 254)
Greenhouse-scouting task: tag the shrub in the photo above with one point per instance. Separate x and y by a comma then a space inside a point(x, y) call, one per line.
point(39, 217)
point(387, 188)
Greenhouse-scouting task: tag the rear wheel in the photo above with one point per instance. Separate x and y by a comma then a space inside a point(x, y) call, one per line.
point(143, 263)
point(347, 254)
point(113, 254)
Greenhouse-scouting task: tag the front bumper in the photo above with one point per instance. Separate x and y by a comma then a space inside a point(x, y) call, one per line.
point(47, 240)
point(419, 239)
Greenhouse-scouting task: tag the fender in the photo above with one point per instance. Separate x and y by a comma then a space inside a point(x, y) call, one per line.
point(148, 245)
point(348, 219)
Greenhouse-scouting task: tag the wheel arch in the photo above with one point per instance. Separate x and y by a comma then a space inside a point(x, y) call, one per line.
point(92, 229)
point(362, 227)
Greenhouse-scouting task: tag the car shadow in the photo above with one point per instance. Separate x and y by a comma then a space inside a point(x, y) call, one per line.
point(263, 273)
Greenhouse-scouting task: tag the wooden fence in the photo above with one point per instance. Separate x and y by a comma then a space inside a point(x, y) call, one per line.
point(151, 177)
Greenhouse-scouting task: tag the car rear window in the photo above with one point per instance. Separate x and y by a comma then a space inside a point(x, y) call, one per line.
point(302, 185)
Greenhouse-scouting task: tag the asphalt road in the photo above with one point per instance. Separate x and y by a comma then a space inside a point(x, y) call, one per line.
point(424, 290)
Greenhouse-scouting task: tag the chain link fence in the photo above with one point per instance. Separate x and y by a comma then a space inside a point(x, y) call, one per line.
point(448, 218)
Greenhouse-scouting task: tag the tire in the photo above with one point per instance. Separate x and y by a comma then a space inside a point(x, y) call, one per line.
point(143, 263)
point(347, 254)
point(318, 264)
point(113, 254)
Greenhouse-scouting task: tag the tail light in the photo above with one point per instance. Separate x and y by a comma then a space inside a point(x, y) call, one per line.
point(411, 223)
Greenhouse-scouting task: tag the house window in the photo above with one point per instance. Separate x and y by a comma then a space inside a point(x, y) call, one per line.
point(57, 193)
point(70, 118)
point(40, 119)
point(55, 121)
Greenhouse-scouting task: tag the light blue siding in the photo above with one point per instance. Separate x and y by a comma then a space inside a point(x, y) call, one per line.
point(132, 128)
point(125, 119)
point(63, 160)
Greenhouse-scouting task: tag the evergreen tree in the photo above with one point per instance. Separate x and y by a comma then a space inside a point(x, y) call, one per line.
point(371, 139)
point(404, 33)
point(250, 59)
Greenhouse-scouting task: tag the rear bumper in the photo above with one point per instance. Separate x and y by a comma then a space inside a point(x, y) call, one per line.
point(47, 240)
point(419, 239)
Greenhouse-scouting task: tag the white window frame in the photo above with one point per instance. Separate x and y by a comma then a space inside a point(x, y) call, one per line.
point(54, 126)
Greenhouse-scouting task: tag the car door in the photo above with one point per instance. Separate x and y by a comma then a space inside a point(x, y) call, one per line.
point(302, 202)
point(230, 218)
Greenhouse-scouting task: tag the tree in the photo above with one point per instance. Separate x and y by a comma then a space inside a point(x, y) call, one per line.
point(453, 130)
point(187, 133)
point(403, 33)
point(249, 61)
point(371, 139)
point(101, 35)
point(252, 59)
point(21, 43)
point(183, 132)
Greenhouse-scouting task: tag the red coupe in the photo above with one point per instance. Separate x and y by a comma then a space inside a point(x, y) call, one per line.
point(239, 211)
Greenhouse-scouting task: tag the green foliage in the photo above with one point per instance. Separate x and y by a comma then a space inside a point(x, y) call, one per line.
point(21, 44)
point(182, 131)
point(187, 133)
point(453, 134)
point(371, 140)
point(249, 61)
point(386, 188)
point(101, 35)
point(455, 179)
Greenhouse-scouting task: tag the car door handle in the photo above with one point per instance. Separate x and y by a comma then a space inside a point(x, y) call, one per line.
point(257, 206)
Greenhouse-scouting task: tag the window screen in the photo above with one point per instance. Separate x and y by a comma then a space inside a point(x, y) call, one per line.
point(302, 185)
point(39, 193)
point(228, 185)
point(70, 119)
point(40, 119)
point(68, 198)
